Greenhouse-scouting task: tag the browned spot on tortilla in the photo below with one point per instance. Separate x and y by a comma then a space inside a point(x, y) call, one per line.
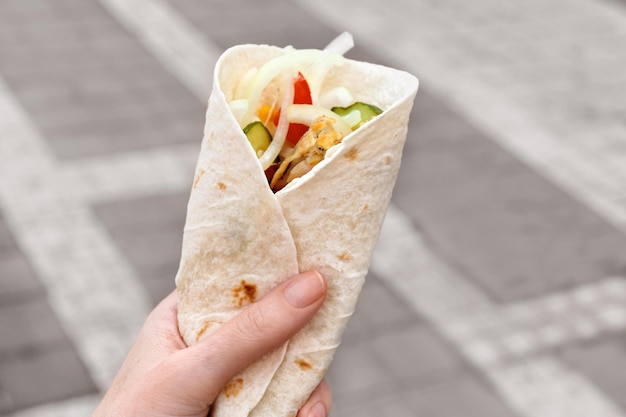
point(203, 329)
point(221, 186)
point(388, 160)
point(352, 154)
point(346, 256)
point(199, 175)
point(366, 207)
point(233, 388)
point(244, 293)
point(304, 365)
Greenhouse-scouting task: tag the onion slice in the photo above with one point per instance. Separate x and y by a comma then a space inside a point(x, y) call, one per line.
point(317, 74)
point(307, 113)
point(239, 108)
point(290, 61)
point(280, 135)
point(341, 44)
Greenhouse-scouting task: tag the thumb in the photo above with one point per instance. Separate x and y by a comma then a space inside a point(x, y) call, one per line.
point(258, 330)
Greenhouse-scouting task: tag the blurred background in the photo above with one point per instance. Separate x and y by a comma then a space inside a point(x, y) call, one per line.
point(498, 287)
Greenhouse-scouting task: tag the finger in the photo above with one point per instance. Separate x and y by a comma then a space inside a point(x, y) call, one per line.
point(164, 312)
point(319, 403)
point(158, 337)
point(258, 330)
point(161, 326)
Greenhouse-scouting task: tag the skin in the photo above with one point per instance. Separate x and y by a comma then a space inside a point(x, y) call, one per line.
point(162, 377)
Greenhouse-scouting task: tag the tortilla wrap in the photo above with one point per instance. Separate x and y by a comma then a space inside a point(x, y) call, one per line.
point(241, 239)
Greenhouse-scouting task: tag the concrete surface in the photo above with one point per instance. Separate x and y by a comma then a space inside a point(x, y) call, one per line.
point(499, 284)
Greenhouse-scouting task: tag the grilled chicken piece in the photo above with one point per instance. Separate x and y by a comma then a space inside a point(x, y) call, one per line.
point(309, 151)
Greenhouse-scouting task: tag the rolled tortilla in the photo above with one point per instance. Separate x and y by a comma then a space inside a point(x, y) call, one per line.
point(241, 239)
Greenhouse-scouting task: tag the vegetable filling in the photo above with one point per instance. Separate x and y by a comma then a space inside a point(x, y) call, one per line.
point(290, 118)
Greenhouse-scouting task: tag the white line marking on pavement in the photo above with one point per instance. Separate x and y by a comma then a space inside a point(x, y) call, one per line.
point(114, 177)
point(533, 386)
point(532, 326)
point(179, 46)
point(544, 387)
point(90, 285)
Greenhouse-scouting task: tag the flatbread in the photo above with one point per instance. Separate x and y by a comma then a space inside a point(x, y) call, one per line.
point(241, 239)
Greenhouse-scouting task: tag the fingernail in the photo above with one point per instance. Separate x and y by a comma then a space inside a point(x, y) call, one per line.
point(305, 289)
point(318, 410)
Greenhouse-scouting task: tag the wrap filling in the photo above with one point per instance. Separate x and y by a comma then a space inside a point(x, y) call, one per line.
point(290, 117)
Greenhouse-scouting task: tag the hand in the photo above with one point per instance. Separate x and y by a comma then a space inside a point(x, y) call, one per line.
point(163, 377)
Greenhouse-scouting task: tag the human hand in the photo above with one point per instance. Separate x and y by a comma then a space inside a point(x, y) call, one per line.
point(161, 376)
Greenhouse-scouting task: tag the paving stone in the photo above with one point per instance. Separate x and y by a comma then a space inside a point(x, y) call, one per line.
point(28, 323)
point(37, 363)
point(38, 376)
point(619, 2)
point(416, 353)
point(357, 331)
point(357, 372)
point(381, 310)
point(7, 242)
point(284, 23)
point(374, 406)
point(240, 21)
point(464, 396)
point(378, 310)
point(603, 362)
point(149, 231)
point(17, 279)
point(495, 218)
point(90, 91)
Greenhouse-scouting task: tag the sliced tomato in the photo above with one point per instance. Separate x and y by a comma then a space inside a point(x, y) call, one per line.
point(295, 132)
point(301, 95)
point(301, 90)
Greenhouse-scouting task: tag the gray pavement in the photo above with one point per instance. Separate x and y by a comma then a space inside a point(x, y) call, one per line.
point(499, 284)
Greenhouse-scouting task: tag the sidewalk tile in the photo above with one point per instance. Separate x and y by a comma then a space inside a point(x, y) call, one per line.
point(37, 363)
point(604, 362)
point(28, 323)
point(466, 396)
point(392, 405)
point(37, 376)
point(148, 231)
point(92, 89)
point(7, 242)
point(356, 372)
point(378, 311)
point(98, 84)
point(416, 353)
point(17, 278)
point(494, 217)
point(244, 21)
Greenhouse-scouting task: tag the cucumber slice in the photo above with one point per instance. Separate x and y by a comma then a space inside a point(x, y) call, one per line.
point(258, 136)
point(364, 112)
